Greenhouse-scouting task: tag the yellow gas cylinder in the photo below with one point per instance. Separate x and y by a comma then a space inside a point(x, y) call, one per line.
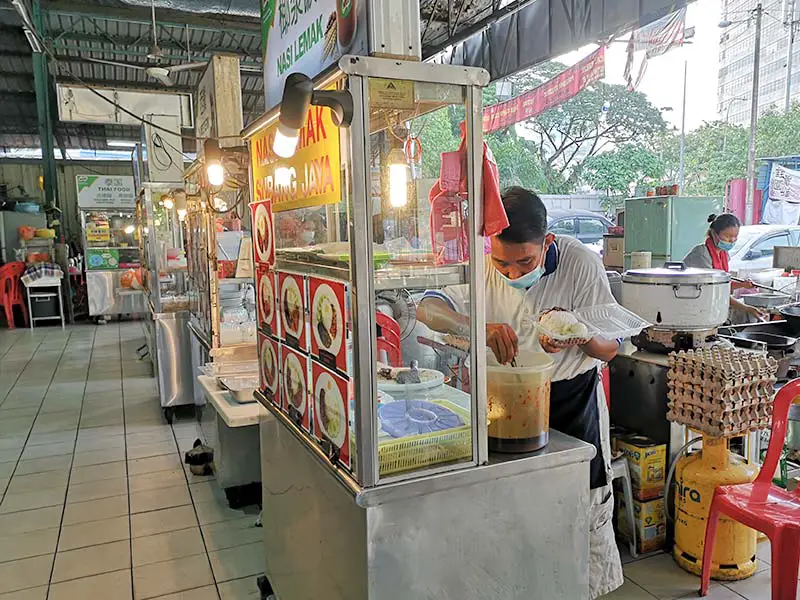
point(696, 477)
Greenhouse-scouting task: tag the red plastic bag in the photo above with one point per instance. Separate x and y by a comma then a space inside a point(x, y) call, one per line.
point(494, 213)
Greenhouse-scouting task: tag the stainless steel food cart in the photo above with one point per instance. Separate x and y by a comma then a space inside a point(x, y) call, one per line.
point(353, 508)
point(167, 328)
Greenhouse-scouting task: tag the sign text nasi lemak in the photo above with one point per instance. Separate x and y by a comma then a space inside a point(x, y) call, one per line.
point(311, 177)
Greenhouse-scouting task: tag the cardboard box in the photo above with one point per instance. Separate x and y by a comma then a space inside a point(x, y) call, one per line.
point(647, 462)
point(649, 520)
point(613, 251)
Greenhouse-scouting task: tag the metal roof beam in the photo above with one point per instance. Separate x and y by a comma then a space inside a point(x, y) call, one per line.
point(126, 43)
point(142, 87)
point(247, 67)
point(174, 18)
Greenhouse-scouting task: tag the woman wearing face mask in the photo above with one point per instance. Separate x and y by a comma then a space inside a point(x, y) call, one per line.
point(527, 271)
point(721, 237)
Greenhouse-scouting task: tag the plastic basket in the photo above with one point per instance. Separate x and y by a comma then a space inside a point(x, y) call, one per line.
point(611, 321)
point(418, 451)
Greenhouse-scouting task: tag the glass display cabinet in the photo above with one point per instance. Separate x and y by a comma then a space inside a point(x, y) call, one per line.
point(161, 243)
point(375, 465)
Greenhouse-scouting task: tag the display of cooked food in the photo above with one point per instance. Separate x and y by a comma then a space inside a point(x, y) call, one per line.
point(331, 409)
point(327, 321)
point(563, 323)
point(267, 298)
point(295, 383)
point(262, 233)
point(269, 364)
point(456, 341)
point(292, 306)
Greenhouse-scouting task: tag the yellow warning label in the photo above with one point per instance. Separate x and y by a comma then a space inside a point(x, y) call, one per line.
point(391, 93)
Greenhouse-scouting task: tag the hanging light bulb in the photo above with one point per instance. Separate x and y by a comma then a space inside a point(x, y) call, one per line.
point(181, 214)
point(398, 178)
point(130, 229)
point(168, 203)
point(212, 156)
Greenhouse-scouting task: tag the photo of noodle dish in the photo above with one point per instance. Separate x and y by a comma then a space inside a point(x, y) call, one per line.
point(330, 411)
point(292, 307)
point(326, 319)
point(294, 383)
point(262, 233)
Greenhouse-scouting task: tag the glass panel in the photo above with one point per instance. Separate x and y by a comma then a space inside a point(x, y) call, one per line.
point(111, 240)
point(766, 247)
point(421, 254)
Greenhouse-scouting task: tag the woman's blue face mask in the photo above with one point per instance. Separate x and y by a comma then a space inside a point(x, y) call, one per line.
point(726, 246)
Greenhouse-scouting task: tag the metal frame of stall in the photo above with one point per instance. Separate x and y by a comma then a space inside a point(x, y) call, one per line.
point(166, 332)
point(473, 528)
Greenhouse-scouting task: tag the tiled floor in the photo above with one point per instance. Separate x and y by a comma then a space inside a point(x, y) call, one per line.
point(660, 577)
point(95, 502)
point(94, 499)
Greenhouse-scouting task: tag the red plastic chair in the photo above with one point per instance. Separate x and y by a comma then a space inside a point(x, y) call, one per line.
point(393, 355)
point(765, 507)
point(11, 291)
point(385, 322)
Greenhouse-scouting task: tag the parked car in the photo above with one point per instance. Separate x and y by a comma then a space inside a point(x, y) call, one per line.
point(751, 257)
point(584, 225)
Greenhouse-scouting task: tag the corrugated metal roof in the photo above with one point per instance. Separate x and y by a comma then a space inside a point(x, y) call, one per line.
point(187, 31)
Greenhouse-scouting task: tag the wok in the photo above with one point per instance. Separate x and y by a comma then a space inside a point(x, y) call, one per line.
point(792, 316)
point(750, 338)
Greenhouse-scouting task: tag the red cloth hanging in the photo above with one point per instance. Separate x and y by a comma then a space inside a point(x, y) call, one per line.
point(719, 258)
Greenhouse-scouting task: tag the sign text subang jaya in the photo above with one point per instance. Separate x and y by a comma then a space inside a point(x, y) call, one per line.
point(312, 175)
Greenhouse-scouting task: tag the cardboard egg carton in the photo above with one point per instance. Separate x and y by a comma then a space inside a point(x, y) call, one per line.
point(721, 391)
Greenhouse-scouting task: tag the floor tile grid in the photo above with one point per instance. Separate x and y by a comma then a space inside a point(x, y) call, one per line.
point(29, 364)
point(85, 359)
point(131, 368)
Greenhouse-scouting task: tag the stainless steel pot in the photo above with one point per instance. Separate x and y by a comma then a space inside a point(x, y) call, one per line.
point(678, 297)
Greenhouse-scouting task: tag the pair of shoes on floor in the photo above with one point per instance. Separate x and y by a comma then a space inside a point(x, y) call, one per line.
point(200, 459)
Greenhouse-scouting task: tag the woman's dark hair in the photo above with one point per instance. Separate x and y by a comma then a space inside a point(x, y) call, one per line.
point(527, 217)
point(720, 223)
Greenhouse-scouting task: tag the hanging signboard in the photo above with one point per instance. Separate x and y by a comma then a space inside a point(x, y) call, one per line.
point(312, 177)
point(100, 191)
point(308, 36)
point(551, 93)
point(784, 184)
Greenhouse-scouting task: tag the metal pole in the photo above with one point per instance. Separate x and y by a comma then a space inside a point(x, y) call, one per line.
point(751, 150)
point(790, 23)
point(681, 165)
point(41, 81)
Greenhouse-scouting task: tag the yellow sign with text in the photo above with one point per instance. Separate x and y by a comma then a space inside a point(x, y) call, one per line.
point(312, 177)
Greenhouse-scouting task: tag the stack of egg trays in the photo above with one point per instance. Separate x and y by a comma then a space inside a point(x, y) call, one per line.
point(721, 391)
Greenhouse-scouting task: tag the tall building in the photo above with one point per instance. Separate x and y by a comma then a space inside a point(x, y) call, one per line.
point(736, 59)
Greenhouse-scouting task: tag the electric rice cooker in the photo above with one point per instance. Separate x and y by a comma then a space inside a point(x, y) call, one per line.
point(678, 297)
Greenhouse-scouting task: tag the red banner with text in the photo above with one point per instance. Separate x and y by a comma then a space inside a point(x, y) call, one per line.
point(551, 93)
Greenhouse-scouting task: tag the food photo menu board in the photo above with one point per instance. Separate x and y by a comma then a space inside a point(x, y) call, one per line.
point(294, 386)
point(329, 322)
point(292, 306)
point(267, 309)
point(331, 402)
point(263, 238)
point(269, 368)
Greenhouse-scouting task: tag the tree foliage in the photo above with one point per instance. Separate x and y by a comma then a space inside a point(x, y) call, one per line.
point(621, 169)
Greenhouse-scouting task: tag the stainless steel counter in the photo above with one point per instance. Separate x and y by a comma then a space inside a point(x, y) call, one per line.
point(514, 528)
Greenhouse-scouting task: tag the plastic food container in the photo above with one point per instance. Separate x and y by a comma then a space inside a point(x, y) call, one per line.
point(518, 400)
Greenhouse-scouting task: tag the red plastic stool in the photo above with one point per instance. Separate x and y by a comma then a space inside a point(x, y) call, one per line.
point(393, 356)
point(11, 291)
point(765, 507)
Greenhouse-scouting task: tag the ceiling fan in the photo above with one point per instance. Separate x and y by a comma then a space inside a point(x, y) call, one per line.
point(156, 71)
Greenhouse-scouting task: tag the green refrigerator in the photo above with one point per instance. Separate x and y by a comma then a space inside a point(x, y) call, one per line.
point(667, 226)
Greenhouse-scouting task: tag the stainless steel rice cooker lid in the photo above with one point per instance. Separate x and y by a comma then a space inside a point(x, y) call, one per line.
point(676, 273)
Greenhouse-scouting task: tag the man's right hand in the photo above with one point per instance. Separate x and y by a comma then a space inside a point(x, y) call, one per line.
point(503, 342)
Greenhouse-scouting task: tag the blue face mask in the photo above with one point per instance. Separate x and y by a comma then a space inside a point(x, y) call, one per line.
point(527, 280)
point(726, 246)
